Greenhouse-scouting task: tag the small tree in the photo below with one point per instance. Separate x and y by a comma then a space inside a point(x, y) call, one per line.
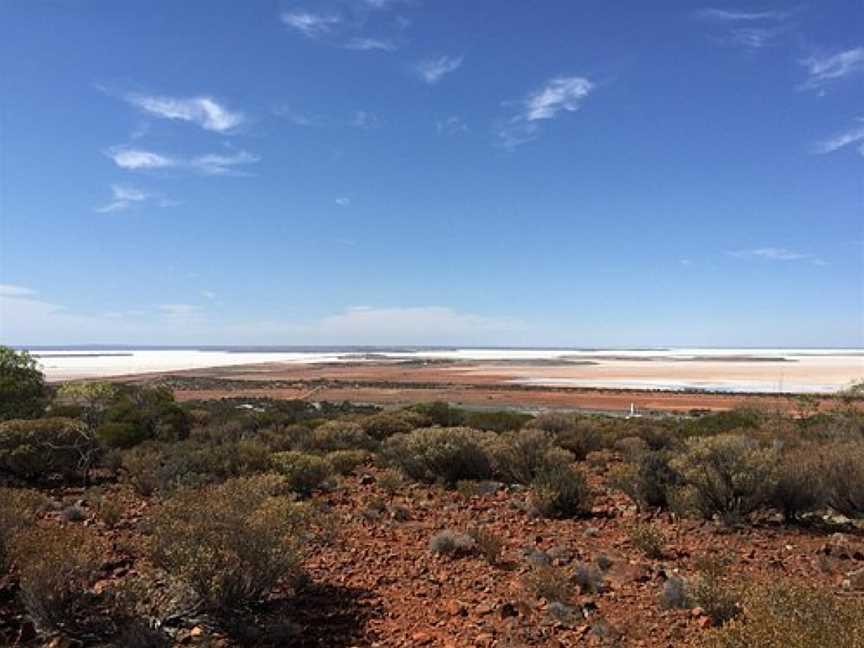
point(23, 393)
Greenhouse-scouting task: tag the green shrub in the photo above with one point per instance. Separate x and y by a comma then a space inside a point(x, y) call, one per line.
point(497, 421)
point(800, 485)
point(648, 539)
point(55, 568)
point(385, 424)
point(291, 437)
point(303, 472)
point(339, 435)
point(344, 462)
point(843, 472)
point(231, 543)
point(40, 447)
point(440, 413)
point(647, 481)
point(518, 456)
point(577, 434)
point(120, 435)
point(560, 491)
point(731, 476)
point(23, 393)
point(441, 454)
point(18, 510)
point(789, 615)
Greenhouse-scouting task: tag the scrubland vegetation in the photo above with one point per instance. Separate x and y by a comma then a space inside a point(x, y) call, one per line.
point(128, 519)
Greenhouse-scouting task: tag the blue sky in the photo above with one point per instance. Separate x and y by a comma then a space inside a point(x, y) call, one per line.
point(407, 172)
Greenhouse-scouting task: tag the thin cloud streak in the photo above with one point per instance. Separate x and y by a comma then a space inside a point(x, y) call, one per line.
point(310, 24)
point(842, 140)
point(777, 254)
point(208, 164)
point(370, 44)
point(206, 112)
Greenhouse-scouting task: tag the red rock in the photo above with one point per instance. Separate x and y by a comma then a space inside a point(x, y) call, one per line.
point(421, 638)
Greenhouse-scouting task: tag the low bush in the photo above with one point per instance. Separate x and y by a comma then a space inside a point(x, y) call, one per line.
point(789, 615)
point(497, 421)
point(488, 544)
point(648, 539)
point(385, 424)
point(120, 435)
point(344, 462)
point(800, 485)
point(647, 481)
point(441, 454)
point(731, 476)
point(577, 434)
point(18, 510)
point(550, 583)
point(709, 590)
point(452, 543)
point(339, 435)
point(230, 543)
point(303, 472)
point(843, 471)
point(560, 491)
point(518, 456)
point(440, 413)
point(55, 568)
point(42, 447)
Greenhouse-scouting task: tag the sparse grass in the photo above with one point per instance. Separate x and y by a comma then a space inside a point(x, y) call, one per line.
point(488, 544)
point(391, 482)
point(550, 583)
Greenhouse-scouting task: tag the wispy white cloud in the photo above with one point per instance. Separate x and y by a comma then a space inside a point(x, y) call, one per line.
point(208, 164)
point(180, 310)
point(453, 125)
point(368, 44)
point(343, 201)
point(310, 24)
point(137, 159)
point(777, 254)
point(558, 94)
point(365, 120)
point(124, 197)
point(842, 140)
point(10, 290)
point(206, 112)
point(731, 15)
point(750, 30)
point(822, 70)
point(433, 70)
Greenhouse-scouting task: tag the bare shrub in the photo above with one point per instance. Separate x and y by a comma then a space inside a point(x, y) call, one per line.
point(230, 543)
